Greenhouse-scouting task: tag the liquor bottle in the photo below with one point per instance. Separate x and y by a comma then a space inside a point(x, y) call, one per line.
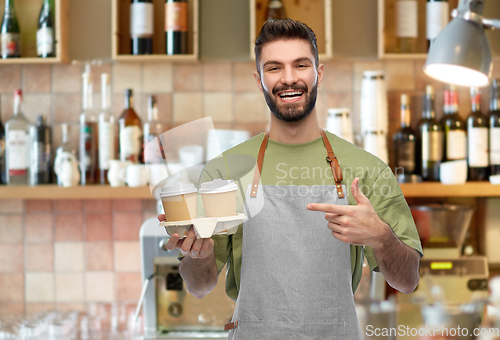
point(275, 10)
point(130, 130)
point(45, 36)
point(477, 142)
point(455, 139)
point(176, 27)
point(106, 130)
point(66, 145)
point(10, 35)
point(41, 157)
point(437, 17)
point(495, 127)
point(431, 138)
point(152, 129)
point(17, 151)
point(88, 134)
point(406, 26)
point(404, 141)
point(3, 179)
point(141, 26)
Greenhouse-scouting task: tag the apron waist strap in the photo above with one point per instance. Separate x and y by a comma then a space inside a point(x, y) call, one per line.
point(229, 326)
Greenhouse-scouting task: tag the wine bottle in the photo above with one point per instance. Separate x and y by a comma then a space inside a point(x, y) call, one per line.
point(176, 27)
point(106, 130)
point(404, 141)
point(141, 26)
point(10, 35)
point(41, 157)
point(17, 151)
point(152, 129)
point(495, 127)
point(45, 36)
point(477, 131)
point(455, 139)
point(431, 138)
point(3, 179)
point(406, 26)
point(275, 10)
point(437, 17)
point(130, 127)
point(66, 146)
point(88, 134)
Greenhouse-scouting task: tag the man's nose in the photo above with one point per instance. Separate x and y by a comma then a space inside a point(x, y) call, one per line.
point(289, 76)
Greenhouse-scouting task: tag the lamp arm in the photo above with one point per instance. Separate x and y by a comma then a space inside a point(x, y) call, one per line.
point(491, 23)
point(477, 18)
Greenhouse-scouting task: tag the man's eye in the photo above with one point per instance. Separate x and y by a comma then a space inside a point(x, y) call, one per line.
point(272, 69)
point(302, 66)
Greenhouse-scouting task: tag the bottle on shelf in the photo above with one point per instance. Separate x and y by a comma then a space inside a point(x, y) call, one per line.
point(45, 35)
point(437, 17)
point(176, 27)
point(477, 141)
point(275, 10)
point(106, 136)
point(88, 133)
point(141, 26)
point(431, 138)
point(495, 127)
point(455, 138)
point(41, 154)
point(3, 179)
point(130, 131)
point(152, 129)
point(17, 145)
point(10, 35)
point(404, 142)
point(66, 146)
point(406, 26)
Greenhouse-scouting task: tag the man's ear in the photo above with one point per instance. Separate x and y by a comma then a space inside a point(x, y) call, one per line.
point(321, 73)
point(257, 80)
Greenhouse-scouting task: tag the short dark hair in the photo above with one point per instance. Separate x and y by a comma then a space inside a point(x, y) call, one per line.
point(285, 29)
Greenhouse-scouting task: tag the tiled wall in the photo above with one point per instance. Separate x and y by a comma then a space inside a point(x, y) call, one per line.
point(64, 254)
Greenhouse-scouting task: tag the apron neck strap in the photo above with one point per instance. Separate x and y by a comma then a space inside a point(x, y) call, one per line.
point(334, 164)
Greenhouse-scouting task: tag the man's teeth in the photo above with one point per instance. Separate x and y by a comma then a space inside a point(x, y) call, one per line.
point(291, 94)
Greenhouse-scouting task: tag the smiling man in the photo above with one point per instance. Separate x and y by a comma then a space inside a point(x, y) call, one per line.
point(294, 265)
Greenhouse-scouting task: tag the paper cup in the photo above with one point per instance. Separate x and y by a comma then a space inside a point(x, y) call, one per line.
point(179, 202)
point(219, 198)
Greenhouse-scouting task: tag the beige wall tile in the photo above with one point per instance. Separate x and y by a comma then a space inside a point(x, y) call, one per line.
point(68, 205)
point(100, 286)
point(67, 109)
point(99, 256)
point(99, 226)
point(149, 205)
point(187, 107)
point(38, 206)
point(71, 306)
point(250, 108)
point(69, 287)
point(12, 256)
point(127, 257)
point(69, 227)
point(10, 78)
point(158, 78)
point(360, 67)
point(128, 205)
point(67, 78)
point(12, 287)
point(187, 77)
point(217, 77)
point(37, 78)
point(400, 75)
point(339, 100)
point(33, 308)
point(12, 309)
point(6, 106)
point(128, 286)
point(11, 228)
point(127, 226)
point(164, 104)
point(39, 287)
point(97, 70)
point(40, 257)
point(126, 76)
point(11, 206)
point(39, 228)
point(69, 256)
point(38, 105)
point(219, 106)
point(338, 77)
point(98, 205)
point(244, 80)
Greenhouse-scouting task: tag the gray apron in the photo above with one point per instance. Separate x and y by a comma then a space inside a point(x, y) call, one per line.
point(295, 276)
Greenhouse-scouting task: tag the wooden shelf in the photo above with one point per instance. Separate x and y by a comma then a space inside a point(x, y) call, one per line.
point(469, 189)
point(78, 192)
point(27, 16)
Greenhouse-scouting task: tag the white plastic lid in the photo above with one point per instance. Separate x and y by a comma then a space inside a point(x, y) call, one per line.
point(218, 186)
point(179, 188)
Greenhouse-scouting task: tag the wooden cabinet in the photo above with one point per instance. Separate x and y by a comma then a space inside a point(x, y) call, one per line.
point(27, 15)
point(120, 39)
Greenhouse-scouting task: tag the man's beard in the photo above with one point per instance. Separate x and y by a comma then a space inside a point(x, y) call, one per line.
point(289, 112)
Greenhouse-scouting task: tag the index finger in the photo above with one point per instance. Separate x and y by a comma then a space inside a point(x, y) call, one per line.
point(327, 208)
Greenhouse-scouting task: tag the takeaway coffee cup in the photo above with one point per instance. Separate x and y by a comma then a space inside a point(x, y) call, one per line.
point(219, 197)
point(179, 201)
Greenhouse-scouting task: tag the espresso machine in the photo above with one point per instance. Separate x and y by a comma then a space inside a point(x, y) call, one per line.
point(169, 310)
